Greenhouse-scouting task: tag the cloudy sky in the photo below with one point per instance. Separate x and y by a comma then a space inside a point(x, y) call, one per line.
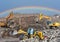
point(10, 4)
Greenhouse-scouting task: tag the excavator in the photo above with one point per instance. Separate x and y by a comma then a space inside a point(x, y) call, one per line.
point(44, 21)
point(12, 31)
point(4, 24)
point(32, 33)
point(49, 23)
point(41, 16)
point(21, 34)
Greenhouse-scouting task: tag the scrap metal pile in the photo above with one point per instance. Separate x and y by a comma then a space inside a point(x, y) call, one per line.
point(41, 28)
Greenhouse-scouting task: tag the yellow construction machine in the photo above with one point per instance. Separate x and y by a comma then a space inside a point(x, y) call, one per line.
point(26, 35)
point(14, 33)
point(2, 23)
point(55, 24)
point(41, 16)
point(35, 34)
point(44, 21)
point(49, 22)
point(39, 35)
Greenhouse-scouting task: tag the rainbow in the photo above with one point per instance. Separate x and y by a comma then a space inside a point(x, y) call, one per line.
point(20, 8)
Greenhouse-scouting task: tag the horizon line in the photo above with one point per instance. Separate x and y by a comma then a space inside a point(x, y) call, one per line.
point(26, 7)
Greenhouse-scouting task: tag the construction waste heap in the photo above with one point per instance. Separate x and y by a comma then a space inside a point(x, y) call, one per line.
point(26, 26)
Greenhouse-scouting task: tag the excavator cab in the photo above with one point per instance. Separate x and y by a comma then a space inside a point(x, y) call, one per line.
point(30, 32)
point(49, 22)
